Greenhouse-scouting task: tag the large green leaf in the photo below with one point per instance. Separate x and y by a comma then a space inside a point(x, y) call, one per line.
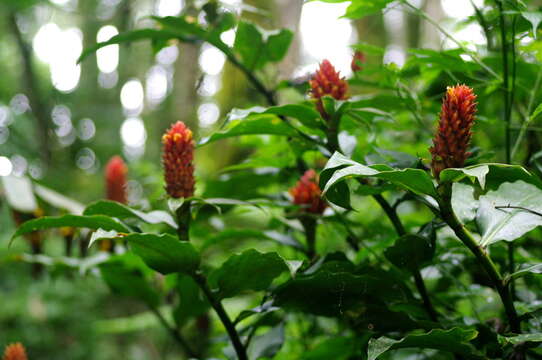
point(454, 340)
point(165, 253)
point(497, 221)
point(120, 211)
point(463, 202)
point(337, 348)
point(490, 175)
point(58, 200)
point(340, 168)
point(519, 339)
point(257, 124)
point(410, 252)
point(79, 221)
point(249, 271)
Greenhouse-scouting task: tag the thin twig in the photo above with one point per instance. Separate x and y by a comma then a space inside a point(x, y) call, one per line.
point(174, 333)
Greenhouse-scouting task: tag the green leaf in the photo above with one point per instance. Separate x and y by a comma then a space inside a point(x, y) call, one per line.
point(534, 17)
point(490, 175)
point(78, 221)
point(165, 253)
point(463, 202)
point(257, 124)
point(330, 292)
point(337, 348)
point(120, 211)
point(340, 168)
point(496, 223)
point(410, 252)
point(455, 340)
point(360, 8)
point(533, 269)
point(518, 339)
point(128, 282)
point(536, 112)
point(249, 271)
point(19, 194)
point(256, 46)
point(129, 37)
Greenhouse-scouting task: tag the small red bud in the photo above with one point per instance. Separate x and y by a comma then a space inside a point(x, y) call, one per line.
point(307, 193)
point(15, 351)
point(115, 179)
point(178, 153)
point(357, 61)
point(454, 131)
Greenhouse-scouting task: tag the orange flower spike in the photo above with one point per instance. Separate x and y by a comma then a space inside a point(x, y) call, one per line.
point(15, 351)
point(115, 179)
point(453, 135)
point(357, 61)
point(307, 193)
point(326, 81)
point(177, 157)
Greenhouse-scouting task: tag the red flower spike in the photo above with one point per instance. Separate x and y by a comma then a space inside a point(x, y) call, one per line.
point(357, 61)
point(454, 131)
point(15, 351)
point(178, 153)
point(307, 193)
point(115, 179)
point(326, 81)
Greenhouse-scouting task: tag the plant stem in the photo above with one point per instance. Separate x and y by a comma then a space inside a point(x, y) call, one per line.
point(224, 318)
point(391, 213)
point(309, 224)
point(506, 92)
point(448, 215)
point(174, 333)
point(425, 295)
point(183, 221)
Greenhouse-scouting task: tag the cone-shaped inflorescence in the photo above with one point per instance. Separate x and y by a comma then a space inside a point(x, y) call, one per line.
point(357, 61)
point(178, 153)
point(15, 351)
point(326, 81)
point(115, 179)
point(454, 131)
point(307, 193)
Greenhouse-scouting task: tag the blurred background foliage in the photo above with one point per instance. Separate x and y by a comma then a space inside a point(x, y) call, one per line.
point(60, 122)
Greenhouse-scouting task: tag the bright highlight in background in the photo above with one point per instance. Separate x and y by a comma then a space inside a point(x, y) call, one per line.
point(60, 49)
point(325, 35)
point(211, 60)
point(169, 7)
point(132, 132)
point(5, 166)
point(107, 57)
point(131, 97)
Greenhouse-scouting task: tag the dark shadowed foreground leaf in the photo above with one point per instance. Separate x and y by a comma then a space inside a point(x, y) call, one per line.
point(165, 253)
point(410, 252)
point(249, 271)
point(455, 340)
point(128, 280)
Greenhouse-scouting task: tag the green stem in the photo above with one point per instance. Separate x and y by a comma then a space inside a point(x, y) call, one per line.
point(309, 225)
point(506, 90)
point(174, 333)
point(183, 221)
point(391, 213)
point(448, 215)
point(425, 295)
point(223, 316)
